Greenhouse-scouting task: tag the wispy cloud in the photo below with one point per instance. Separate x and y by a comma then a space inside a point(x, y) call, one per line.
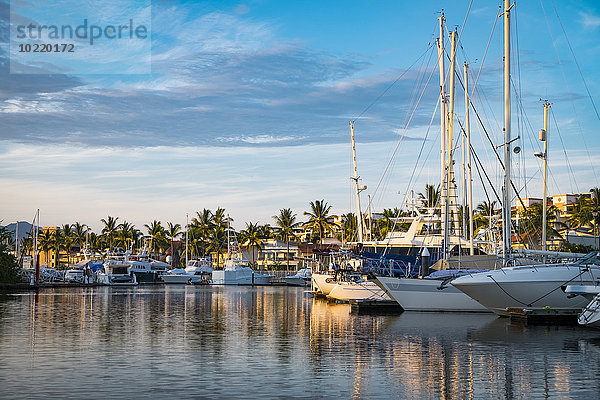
point(589, 21)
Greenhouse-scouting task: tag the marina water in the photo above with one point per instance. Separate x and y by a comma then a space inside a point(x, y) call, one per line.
point(186, 341)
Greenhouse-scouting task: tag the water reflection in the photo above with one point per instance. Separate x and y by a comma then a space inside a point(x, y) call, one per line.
point(245, 342)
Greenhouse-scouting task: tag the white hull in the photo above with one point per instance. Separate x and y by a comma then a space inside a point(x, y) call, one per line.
point(296, 281)
point(323, 283)
point(425, 295)
point(178, 278)
point(116, 280)
point(527, 287)
point(345, 291)
point(243, 276)
point(590, 316)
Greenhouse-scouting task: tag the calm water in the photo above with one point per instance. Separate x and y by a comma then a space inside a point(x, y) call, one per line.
point(241, 342)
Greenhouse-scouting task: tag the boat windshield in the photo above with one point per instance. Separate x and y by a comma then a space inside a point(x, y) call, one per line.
point(590, 258)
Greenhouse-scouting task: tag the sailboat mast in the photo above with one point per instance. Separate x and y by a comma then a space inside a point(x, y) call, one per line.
point(451, 188)
point(468, 150)
point(36, 265)
point(17, 240)
point(359, 217)
point(441, 61)
point(544, 138)
point(506, 217)
point(187, 229)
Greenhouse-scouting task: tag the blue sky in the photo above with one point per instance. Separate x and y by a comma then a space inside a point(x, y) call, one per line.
point(248, 103)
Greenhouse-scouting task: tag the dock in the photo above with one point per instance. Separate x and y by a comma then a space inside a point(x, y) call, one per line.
point(375, 307)
point(544, 316)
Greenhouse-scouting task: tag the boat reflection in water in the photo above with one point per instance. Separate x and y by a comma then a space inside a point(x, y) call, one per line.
point(274, 342)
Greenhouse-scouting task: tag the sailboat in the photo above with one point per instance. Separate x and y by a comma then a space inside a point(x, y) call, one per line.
point(434, 293)
point(532, 287)
point(348, 284)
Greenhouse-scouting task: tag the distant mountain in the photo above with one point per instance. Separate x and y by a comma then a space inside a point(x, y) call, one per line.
point(24, 228)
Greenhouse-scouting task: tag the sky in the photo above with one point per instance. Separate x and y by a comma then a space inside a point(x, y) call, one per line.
point(246, 105)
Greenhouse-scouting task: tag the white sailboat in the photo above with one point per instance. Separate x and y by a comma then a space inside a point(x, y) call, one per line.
point(532, 287)
point(346, 285)
point(427, 294)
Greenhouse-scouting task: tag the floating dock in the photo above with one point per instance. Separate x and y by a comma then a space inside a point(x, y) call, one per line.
point(544, 316)
point(375, 307)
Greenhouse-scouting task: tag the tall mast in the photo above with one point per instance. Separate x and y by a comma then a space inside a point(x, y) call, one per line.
point(359, 217)
point(468, 150)
point(544, 138)
point(506, 217)
point(451, 188)
point(441, 59)
point(36, 266)
point(187, 229)
point(17, 240)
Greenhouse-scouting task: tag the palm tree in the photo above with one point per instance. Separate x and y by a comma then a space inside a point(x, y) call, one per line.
point(156, 233)
point(586, 209)
point(79, 231)
point(124, 234)
point(349, 228)
point(110, 229)
point(58, 243)
point(46, 242)
point(532, 227)
point(386, 224)
point(200, 230)
point(216, 240)
point(319, 218)
point(220, 219)
point(172, 232)
point(286, 222)
point(251, 237)
point(431, 197)
point(67, 239)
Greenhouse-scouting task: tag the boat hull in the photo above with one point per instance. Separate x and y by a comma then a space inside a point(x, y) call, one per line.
point(296, 281)
point(147, 276)
point(590, 316)
point(346, 291)
point(322, 283)
point(426, 295)
point(178, 278)
point(539, 287)
point(225, 277)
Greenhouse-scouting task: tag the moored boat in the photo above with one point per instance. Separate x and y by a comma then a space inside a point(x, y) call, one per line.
point(531, 287)
point(301, 278)
point(196, 271)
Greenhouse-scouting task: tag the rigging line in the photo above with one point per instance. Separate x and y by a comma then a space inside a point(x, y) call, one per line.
point(404, 133)
point(465, 21)
point(493, 147)
point(393, 83)
point(564, 151)
point(575, 59)
point(567, 82)
point(421, 149)
point(485, 53)
point(400, 141)
point(481, 179)
point(477, 160)
point(518, 92)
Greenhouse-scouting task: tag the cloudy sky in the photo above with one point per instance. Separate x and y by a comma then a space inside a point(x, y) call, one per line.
point(246, 105)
